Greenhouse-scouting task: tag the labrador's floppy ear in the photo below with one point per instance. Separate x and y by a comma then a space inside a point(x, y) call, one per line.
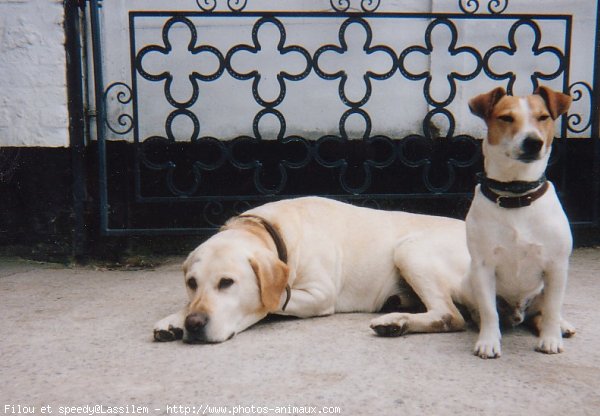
point(190, 259)
point(482, 105)
point(272, 276)
point(557, 102)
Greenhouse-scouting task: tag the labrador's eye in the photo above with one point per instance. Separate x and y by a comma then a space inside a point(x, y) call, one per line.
point(543, 117)
point(191, 283)
point(507, 118)
point(225, 282)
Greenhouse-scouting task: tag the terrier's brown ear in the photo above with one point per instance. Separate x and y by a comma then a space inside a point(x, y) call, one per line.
point(556, 102)
point(272, 275)
point(483, 104)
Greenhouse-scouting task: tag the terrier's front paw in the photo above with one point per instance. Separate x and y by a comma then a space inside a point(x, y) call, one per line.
point(550, 345)
point(166, 335)
point(567, 329)
point(487, 348)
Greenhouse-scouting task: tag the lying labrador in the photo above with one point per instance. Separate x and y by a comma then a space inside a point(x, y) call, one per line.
point(314, 256)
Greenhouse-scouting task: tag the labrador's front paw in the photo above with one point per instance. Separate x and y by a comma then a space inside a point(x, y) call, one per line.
point(171, 327)
point(166, 335)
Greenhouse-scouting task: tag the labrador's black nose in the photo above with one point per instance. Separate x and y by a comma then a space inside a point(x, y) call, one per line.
point(195, 322)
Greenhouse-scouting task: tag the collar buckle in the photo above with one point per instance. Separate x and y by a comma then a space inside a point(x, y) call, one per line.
point(518, 201)
point(499, 200)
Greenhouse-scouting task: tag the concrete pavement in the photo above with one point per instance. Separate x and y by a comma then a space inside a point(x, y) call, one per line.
point(81, 336)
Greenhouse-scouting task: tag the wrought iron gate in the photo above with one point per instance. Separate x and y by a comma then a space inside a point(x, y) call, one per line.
point(205, 108)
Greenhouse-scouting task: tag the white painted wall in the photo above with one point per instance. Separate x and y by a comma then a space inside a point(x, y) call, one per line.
point(33, 93)
point(33, 96)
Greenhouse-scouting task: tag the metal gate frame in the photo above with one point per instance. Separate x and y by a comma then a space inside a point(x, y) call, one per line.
point(357, 195)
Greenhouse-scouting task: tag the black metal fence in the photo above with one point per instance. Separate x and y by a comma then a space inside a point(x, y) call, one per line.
point(160, 173)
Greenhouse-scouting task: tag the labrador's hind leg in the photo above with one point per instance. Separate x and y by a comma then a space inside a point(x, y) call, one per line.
point(432, 279)
point(398, 323)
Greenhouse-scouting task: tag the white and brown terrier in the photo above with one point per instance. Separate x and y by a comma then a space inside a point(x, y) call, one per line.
point(517, 232)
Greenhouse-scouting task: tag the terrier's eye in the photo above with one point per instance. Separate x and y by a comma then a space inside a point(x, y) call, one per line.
point(506, 118)
point(225, 282)
point(543, 117)
point(191, 283)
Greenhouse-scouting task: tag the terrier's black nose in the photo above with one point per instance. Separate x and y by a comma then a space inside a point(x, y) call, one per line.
point(196, 322)
point(532, 145)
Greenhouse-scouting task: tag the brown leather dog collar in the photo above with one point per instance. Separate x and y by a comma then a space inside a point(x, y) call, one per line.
point(519, 201)
point(279, 245)
point(513, 187)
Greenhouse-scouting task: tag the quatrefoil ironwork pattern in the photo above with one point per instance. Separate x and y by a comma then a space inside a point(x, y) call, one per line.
point(344, 65)
point(192, 51)
point(269, 160)
point(535, 50)
point(251, 53)
point(438, 155)
point(354, 65)
point(355, 160)
point(453, 52)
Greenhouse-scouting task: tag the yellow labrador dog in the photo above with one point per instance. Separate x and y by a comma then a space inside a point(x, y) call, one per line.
point(314, 256)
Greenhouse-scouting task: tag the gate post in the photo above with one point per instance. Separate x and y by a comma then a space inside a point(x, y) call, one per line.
point(76, 124)
point(596, 127)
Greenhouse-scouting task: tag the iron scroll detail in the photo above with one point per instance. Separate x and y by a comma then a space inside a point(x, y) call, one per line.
point(356, 178)
point(120, 93)
point(365, 5)
point(493, 6)
point(210, 5)
point(228, 106)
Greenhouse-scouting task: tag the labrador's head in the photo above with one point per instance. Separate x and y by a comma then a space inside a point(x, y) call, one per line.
point(233, 280)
